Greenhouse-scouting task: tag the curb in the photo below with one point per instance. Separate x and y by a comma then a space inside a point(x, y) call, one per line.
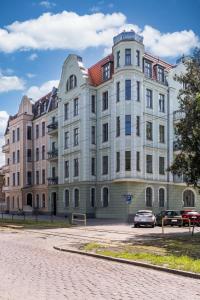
point(131, 262)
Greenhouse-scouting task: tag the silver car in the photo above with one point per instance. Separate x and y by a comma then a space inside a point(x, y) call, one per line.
point(144, 217)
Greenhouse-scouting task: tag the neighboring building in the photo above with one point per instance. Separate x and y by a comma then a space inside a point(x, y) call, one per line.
point(2, 194)
point(25, 155)
point(110, 137)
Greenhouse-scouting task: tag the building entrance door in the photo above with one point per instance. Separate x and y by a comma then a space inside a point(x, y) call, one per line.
point(54, 203)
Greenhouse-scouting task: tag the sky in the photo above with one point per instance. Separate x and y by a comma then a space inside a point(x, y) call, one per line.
point(36, 36)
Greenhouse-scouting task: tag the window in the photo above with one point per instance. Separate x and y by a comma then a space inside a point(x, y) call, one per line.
point(138, 161)
point(161, 165)
point(149, 162)
point(37, 131)
point(76, 197)
point(66, 198)
point(160, 74)
point(161, 133)
point(149, 98)
point(76, 142)
point(161, 195)
point(18, 178)
point(161, 103)
point(13, 157)
point(117, 161)
point(106, 71)
point(29, 132)
point(137, 58)
point(67, 169)
point(37, 177)
point(148, 68)
point(43, 176)
point(76, 167)
point(105, 100)
point(66, 141)
point(127, 89)
point(43, 201)
point(93, 133)
point(37, 154)
point(105, 133)
point(188, 198)
point(138, 126)
point(43, 129)
point(149, 197)
point(127, 124)
point(66, 110)
point(18, 134)
point(29, 155)
point(127, 57)
point(76, 107)
point(92, 196)
point(149, 131)
point(118, 91)
point(105, 200)
point(138, 90)
point(18, 156)
point(43, 152)
point(53, 172)
point(29, 199)
point(93, 166)
point(105, 165)
point(71, 82)
point(93, 104)
point(117, 126)
point(37, 205)
point(13, 179)
point(29, 178)
point(118, 59)
point(127, 160)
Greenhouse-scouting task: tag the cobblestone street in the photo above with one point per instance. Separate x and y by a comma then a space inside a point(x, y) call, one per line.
point(31, 269)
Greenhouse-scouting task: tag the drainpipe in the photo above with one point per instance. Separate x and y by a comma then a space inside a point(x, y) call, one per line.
point(168, 144)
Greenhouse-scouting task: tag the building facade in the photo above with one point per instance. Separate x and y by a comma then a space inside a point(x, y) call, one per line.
point(110, 136)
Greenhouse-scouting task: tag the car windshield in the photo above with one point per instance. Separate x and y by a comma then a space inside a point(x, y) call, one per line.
point(144, 213)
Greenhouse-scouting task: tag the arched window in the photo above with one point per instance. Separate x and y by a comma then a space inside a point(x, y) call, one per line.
point(43, 201)
point(29, 199)
point(92, 197)
point(188, 198)
point(66, 198)
point(71, 82)
point(105, 197)
point(76, 197)
point(149, 197)
point(161, 197)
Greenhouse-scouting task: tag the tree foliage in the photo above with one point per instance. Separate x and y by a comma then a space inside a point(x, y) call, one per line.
point(187, 161)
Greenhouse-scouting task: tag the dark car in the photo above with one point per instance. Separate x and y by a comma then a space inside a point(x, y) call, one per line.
point(191, 215)
point(171, 217)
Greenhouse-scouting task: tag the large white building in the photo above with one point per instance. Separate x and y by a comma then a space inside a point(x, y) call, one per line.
point(113, 131)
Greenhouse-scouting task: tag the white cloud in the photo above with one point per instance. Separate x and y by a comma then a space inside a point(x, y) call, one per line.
point(33, 56)
point(35, 92)
point(47, 4)
point(68, 30)
point(30, 75)
point(11, 83)
point(3, 123)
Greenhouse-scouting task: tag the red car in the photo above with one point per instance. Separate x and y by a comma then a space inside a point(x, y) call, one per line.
point(191, 215)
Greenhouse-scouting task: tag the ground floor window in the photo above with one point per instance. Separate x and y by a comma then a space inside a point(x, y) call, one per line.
point(149, 197)
point(66, 198)
point(92, 196)
point(29, 199)
point(37, 205)
point(105, 197)
point(43, 201)
point(188, 198)
point(161, 197)
point(76, 197)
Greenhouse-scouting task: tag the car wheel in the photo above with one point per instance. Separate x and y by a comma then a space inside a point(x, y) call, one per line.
point(153, 225)
point(135, 225)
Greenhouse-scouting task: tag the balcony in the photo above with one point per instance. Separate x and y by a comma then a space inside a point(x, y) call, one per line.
point(53, 154)
point(53, 127)
point(6, 169)
point(52, 180)
point(6, 188)
point(6, 148)
point(178, 115)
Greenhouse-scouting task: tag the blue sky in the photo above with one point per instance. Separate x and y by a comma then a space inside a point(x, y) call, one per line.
point(37, 36)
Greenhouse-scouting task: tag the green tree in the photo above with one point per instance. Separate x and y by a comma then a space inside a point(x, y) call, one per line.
point(187, 161)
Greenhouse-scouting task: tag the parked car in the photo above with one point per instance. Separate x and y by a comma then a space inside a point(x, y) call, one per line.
point(145, 218)
point(172, 217)
point(191, 215)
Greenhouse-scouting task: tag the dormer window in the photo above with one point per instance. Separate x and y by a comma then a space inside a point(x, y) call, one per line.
point(71, 83)
point(160, 74)
point(106, 71)
point(148, 68)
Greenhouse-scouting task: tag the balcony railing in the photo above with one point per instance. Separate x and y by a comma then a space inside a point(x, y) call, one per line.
point(52, 127)
point(6, 169)
point(53, 154)
point(6, 148)
point(52, 180)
